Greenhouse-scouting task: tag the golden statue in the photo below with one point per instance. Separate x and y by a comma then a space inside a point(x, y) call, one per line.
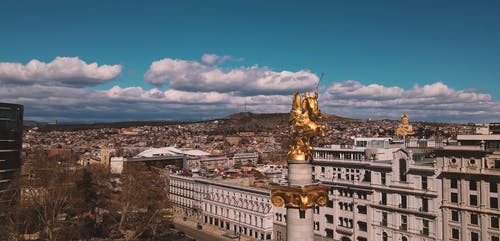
point(304, 118)
point(404, 128)
point(304, 126)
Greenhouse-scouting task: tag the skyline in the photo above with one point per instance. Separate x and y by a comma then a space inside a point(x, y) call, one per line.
point(117, 61)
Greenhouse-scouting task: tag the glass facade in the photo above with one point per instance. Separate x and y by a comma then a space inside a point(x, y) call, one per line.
point(11, 132)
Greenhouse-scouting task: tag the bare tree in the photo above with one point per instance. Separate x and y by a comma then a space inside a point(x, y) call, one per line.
point(142, 202)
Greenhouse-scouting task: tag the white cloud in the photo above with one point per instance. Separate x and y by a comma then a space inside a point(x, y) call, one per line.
point(199, 91)
point(211, 59)
point(354, 89)
point(194, 76)
point(62, 71)
point(435, 101)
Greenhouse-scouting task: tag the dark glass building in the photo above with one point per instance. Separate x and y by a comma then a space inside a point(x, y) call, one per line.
point(11, 134)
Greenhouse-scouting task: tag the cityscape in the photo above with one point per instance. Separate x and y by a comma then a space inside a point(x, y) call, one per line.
point(254, 121)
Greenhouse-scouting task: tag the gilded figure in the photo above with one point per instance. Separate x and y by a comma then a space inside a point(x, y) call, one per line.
point(304, 118)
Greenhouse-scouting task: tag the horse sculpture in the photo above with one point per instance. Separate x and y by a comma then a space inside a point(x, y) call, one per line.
point(304, 126)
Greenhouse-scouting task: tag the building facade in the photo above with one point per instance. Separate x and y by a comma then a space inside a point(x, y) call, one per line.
point(235, 209)
point(470, 182)
point(246, 158)
point(378, 192)
point(11, 132)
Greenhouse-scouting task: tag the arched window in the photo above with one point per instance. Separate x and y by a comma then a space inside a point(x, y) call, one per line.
point(384, 236)
point(404, 238)
point(402, 170)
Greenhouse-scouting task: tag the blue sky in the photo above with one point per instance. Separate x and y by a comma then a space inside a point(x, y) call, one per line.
point(377, 45)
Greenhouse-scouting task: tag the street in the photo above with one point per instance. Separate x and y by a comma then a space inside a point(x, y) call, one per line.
point(199, 235)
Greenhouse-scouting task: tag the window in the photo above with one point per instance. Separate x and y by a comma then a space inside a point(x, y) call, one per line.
point(329, 203)
point(384, 198)
point(316, 225)
point(472, 185)
point(474, 219)
point(455, 216)
point(404, 238)
point(494, 222)
point(329, 233)
point(474, 236)
point(473, 200)
point(493, 187)
point(494, 202)
point(402, 170)
point(383, 178)
point(403, 201)
point(425, 204)
point(384, 219)
point(362, 226)
point(362, 209)
point(454, 197)
point(425, 229)
point(424, 182)
point(329, 218)
point(385, 236)
point(455, 233)
point(453, 183)
point(495, 238)
point(367, 177)
point(404, 222)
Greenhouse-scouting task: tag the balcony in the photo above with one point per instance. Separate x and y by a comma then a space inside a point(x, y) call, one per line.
point(344, 230)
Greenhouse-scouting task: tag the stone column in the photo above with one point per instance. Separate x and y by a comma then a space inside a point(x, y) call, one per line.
point(299, 198)
point(299, 223)
point(298, 228)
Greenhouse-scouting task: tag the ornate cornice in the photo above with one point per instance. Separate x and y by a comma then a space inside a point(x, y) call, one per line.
point(299, 197)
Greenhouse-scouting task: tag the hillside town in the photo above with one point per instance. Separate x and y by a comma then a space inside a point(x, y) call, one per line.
point(219, 174)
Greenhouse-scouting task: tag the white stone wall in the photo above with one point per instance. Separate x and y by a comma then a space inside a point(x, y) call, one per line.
point(467, 176)
point(240, 208)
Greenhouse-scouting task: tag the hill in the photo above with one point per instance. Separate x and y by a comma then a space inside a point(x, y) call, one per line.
point(237, 122)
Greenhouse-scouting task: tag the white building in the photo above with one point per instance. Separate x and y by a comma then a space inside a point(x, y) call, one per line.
point(378, 192)
point(471, 177)
point(234, 208)
point(246, 158)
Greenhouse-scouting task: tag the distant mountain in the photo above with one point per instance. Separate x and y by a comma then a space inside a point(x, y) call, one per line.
point(127, 124)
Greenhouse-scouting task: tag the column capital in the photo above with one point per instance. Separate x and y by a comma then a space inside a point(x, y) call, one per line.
point(301, 197)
